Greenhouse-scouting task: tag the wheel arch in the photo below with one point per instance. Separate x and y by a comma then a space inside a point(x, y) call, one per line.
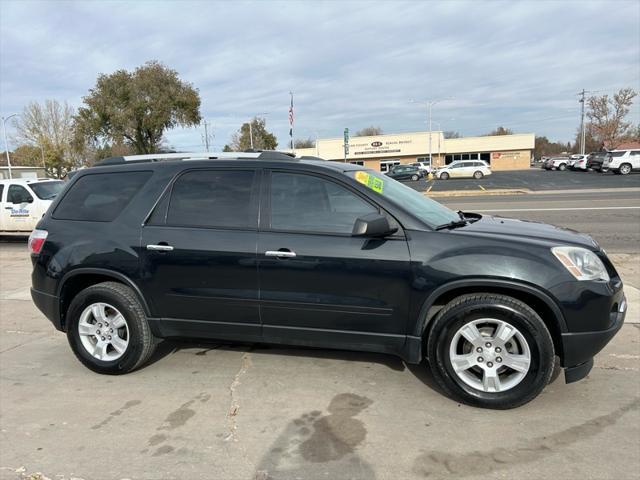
point(541, 302)
point(78, 279)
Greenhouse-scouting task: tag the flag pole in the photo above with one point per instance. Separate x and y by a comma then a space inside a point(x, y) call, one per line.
point(291, 121)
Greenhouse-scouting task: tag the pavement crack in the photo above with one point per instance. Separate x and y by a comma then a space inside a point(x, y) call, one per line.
point(234, 405)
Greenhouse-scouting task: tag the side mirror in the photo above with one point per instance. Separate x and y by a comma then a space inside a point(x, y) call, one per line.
point(372, 225)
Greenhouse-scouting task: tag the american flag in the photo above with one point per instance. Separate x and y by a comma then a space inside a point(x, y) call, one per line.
point(291, 120)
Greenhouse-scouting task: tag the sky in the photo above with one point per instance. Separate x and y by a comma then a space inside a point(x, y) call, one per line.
point(349, 64)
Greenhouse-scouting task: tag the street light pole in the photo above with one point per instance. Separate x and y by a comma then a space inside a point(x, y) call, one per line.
point(6, 143)
point(429, 104)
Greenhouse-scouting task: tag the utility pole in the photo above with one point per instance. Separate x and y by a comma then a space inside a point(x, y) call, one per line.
point(206, 136)
point(582, 129)
point(6, 144)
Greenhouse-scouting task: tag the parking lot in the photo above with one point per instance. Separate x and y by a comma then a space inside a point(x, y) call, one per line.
point(534, 179)
point(259, 412)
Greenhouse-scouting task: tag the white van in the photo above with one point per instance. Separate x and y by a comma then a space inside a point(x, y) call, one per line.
point(23, 202)
point(622, 161)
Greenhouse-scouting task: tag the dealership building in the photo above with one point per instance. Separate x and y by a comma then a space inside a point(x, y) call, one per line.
point(381, 152)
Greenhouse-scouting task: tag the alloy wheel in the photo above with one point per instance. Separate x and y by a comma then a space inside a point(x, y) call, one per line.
point(104, 332)
point(490, 355)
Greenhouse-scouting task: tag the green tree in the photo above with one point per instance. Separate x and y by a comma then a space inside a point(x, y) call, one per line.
point(25, 156)
point(369, 132)
point(136, 108)
point(262, 138)
point(607, 117)
point(500, 131)
point(304, 143)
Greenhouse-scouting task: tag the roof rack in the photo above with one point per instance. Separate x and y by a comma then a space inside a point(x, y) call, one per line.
point(157, 157)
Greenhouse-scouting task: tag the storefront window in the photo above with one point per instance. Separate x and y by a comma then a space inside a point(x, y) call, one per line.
point(387, 165)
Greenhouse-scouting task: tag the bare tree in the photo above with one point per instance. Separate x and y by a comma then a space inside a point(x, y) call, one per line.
point(500, 131)
point(369, 132)
point(451, 134)
point(607, 117)
point(305, 143)
point(49, 127)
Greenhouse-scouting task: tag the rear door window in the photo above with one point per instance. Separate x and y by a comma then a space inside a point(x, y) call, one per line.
point(100, 197)
point(214, 199)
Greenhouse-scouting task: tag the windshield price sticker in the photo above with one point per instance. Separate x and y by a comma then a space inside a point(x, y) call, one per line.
point(374, 183)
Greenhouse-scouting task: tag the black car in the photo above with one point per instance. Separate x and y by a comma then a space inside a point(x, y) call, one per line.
point(263, 247)
point(595, 160)
point(406, 172)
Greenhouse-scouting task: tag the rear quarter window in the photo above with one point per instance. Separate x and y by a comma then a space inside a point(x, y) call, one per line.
point(100, 197)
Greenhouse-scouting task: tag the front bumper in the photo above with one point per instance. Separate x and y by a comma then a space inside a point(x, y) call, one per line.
point(49, 305)
point(579, 348)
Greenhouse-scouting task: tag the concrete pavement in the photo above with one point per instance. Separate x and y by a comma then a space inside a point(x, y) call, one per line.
point(217, 411)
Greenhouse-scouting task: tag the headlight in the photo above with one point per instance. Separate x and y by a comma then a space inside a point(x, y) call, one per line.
point(581, 263)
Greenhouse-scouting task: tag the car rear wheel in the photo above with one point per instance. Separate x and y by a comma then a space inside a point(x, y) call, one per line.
point(478, 175)
point(491, 351)
point(414, 177)
point(444, 176)
point(562, 167)
point(625, 169)
point(107, 329)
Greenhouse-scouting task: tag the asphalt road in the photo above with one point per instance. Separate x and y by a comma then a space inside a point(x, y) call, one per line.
point(612, 218)
point(255, 412)
point(533, 179)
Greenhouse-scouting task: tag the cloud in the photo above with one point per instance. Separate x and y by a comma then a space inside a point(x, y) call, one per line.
point(350, 64)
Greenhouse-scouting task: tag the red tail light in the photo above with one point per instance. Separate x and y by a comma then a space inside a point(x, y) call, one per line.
point(36, 241)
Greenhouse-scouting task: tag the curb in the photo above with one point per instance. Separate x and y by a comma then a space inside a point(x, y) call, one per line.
point(524, 191)
point(475, 193)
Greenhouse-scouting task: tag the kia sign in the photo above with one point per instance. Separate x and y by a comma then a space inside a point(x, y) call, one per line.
point(376, 144)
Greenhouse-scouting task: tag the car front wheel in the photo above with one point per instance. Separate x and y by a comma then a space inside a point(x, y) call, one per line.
point(414, 177)
point(444, 176)
point(478, 175)
point(490, 351)
point(107, 329)
point(562, 167)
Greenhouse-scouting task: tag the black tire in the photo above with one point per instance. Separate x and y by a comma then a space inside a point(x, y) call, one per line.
point(141, 343)
point(415, 177)
point(625, 169)
point(562, 167)
point(471, 307)
point(444, 176)
point(478, 175)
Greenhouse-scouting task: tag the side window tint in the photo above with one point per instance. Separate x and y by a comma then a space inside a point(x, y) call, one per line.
point(18, 194)
point(213, 198)
point(306, 203)
point(100, 197)
point(1, 192)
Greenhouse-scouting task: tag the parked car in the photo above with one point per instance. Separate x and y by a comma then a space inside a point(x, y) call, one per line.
point(263, 247)
point(463, 169)
point(595, 160)
point(406, 172)
point(23, 202)
point(556, 163)
point(622, 162)
point(578, 162)
point(424, 166)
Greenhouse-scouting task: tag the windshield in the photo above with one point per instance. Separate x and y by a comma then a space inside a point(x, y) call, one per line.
point(429, 211)
point(47, 190)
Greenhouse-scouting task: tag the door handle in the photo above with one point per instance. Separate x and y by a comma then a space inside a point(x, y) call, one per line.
point(160, 248)
point(280, 253)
